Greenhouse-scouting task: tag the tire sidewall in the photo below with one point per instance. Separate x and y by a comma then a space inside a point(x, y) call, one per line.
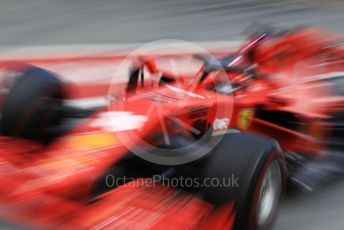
point(255, 191)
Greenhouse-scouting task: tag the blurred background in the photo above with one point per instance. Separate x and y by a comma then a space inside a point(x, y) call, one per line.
point(36, 23)
point(42, 22)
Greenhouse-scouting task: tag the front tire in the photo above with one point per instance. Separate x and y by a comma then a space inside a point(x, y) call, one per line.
point(259, 165)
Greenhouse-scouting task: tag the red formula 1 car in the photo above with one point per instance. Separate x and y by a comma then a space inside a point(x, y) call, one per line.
point(212, 149)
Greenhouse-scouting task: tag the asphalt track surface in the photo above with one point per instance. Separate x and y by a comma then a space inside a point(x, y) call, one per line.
point(32, 22)
point(56, 22)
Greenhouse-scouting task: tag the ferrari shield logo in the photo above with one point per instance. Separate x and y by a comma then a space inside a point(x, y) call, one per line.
point(245, 118)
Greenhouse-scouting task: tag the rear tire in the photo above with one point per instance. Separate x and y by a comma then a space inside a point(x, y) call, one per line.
point(29, 108)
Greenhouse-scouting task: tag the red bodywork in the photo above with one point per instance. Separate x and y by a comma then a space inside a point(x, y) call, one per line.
point(50, 186)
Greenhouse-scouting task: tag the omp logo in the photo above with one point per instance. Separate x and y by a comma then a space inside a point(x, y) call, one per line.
point(221, 124)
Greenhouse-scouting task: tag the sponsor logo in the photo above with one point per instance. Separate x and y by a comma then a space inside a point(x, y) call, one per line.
point(94, 140)
point(117, 121)
point(221, 124)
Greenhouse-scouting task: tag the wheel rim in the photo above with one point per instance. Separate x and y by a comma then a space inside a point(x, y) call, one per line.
point(269, 193)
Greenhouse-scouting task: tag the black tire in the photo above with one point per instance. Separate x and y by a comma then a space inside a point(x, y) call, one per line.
point(336, 122)
point(336, 131)
point(246, 157)
point(30, 106)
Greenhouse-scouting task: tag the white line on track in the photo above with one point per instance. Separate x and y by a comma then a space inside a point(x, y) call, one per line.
point(94, 50)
